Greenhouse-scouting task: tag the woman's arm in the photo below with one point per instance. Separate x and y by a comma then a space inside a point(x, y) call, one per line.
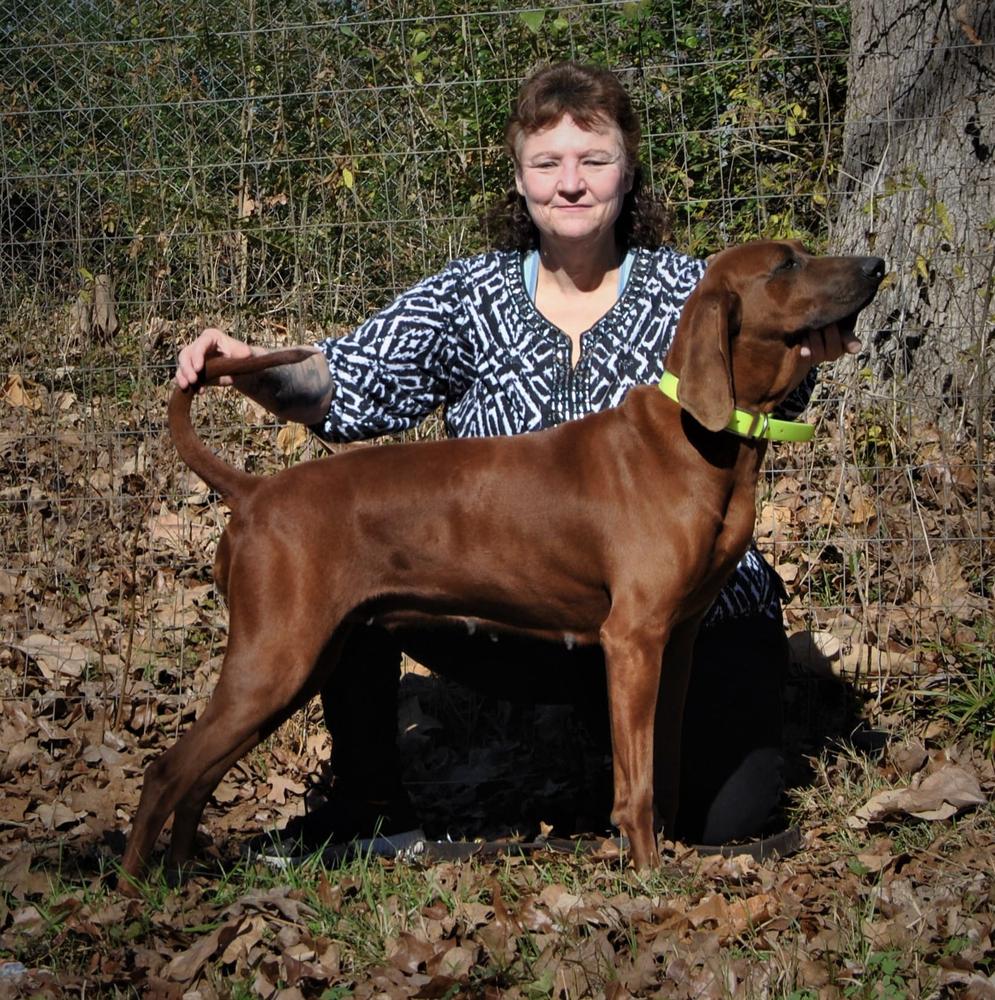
point(301, 392)
point(400, 365)
point(385, 376)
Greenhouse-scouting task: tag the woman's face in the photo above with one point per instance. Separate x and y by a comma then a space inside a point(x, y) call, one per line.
point(573, 179)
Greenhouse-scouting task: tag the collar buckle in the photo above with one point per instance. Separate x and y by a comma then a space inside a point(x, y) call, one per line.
point(759, 426)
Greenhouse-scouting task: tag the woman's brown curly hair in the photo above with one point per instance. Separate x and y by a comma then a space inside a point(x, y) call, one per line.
point(591, 96)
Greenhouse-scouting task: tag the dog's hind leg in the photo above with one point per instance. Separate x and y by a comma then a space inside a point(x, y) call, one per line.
point(262, 681)
point(187, 815)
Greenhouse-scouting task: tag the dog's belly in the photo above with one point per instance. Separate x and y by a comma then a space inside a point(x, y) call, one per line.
point(403, 619)
point(573, 614)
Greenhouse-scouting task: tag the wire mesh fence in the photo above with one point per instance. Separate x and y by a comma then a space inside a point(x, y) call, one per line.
point(284, 169)
point(278, 160)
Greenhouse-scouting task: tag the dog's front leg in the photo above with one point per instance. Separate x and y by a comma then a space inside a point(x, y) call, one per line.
point(674, 678)
point(632, 659)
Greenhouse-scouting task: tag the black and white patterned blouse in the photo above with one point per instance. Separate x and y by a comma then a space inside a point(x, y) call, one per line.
point(471, 340)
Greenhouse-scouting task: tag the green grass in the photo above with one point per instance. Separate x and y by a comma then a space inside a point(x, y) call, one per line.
point(365, 904)
point(967, 699)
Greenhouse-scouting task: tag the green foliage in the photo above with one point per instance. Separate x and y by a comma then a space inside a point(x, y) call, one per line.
point(310, 160)
point(967, 700)
point(883, 978)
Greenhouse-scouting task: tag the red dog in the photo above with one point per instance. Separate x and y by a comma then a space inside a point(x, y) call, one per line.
point(618, 529)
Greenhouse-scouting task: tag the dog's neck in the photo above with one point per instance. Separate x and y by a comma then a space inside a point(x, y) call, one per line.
point(748, 423)
point(762, 372)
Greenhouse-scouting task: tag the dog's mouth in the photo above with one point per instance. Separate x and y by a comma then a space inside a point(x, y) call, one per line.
point(845, 325)
point(840, 327)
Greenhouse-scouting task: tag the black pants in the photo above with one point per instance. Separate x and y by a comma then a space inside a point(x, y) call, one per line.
point(731, 760)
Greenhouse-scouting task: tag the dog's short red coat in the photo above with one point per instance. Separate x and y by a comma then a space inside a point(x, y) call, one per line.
point(619, 528)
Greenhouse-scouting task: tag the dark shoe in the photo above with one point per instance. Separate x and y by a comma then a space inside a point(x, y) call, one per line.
point(342, 819)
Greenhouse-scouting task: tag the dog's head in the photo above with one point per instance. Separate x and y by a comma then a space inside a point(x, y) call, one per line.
point(740, 331)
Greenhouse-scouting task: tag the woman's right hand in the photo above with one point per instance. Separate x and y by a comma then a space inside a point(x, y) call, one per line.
point(210, 344)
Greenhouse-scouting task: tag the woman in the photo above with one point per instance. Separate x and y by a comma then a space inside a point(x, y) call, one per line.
point(580, 304)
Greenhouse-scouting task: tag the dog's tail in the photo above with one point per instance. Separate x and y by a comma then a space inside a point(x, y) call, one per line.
point(218, 474)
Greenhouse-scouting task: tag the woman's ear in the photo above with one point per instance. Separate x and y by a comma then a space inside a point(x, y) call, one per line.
point(630, 177)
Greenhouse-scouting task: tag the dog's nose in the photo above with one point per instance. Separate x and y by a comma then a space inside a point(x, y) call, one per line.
point(872, 267)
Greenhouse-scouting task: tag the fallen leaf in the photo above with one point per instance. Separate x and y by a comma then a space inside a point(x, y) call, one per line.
point(178, 529)
point(291, 438)
point(943, 586)
point(240, 945)
point(56, 657)
point(279, 786)
point(455, 962)
point(57, 815)
point(13, 808)
point(409, 953)
point(185, 966)
point(559, 901)
point(939, 796)
point(908, 758)
point(278, 898)
point(875, 862)
point(17, 877)
point(15, 393)
point(711, 908)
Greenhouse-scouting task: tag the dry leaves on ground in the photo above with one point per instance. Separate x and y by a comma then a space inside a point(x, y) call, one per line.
point(112, 639)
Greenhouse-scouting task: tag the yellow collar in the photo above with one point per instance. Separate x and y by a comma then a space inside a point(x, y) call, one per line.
point(750, 425)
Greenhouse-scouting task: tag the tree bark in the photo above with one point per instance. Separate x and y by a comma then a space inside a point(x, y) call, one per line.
point(917, 188)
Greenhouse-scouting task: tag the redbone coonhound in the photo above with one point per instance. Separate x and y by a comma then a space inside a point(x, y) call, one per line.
point(619, 529)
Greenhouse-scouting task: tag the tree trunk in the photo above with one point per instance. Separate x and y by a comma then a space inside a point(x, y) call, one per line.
point(918, 189)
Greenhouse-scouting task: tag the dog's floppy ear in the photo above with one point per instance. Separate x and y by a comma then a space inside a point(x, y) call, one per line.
point(705, 388)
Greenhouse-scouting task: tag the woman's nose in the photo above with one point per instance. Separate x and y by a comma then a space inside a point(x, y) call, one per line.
point(571, 178)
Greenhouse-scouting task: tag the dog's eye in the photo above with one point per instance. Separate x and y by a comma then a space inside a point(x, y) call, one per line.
point(790, 264)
